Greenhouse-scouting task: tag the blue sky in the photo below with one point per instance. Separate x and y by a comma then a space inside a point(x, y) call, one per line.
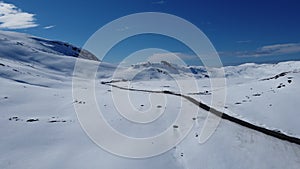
point(241, 30)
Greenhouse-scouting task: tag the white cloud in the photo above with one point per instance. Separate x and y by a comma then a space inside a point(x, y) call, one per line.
point(121, 29)
point(159, 2)
point(282, 48)
point(49, 27)
point(12, 17)
point(269, 50)
point(172, 57)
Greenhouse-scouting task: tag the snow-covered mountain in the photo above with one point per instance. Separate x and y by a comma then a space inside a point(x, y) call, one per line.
point(168, 71)
point(34, 51)
point(18, 46)
point(61, 56)
point(39, 127)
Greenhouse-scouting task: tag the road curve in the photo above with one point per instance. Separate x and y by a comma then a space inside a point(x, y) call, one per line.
point(273, 133)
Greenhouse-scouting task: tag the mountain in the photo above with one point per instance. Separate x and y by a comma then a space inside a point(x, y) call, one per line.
point(18, 46)
point(38, 52)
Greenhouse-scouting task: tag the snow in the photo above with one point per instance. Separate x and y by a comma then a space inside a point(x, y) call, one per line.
point(249, 96)
point(38, 85)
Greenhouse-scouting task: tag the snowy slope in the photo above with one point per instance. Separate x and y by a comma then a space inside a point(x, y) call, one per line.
point(39, 127)
point(266, 94)
point(37, 52)
point(14, 45)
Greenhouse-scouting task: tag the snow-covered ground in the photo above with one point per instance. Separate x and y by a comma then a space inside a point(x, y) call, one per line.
point(39, 127)
point(266, 95)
